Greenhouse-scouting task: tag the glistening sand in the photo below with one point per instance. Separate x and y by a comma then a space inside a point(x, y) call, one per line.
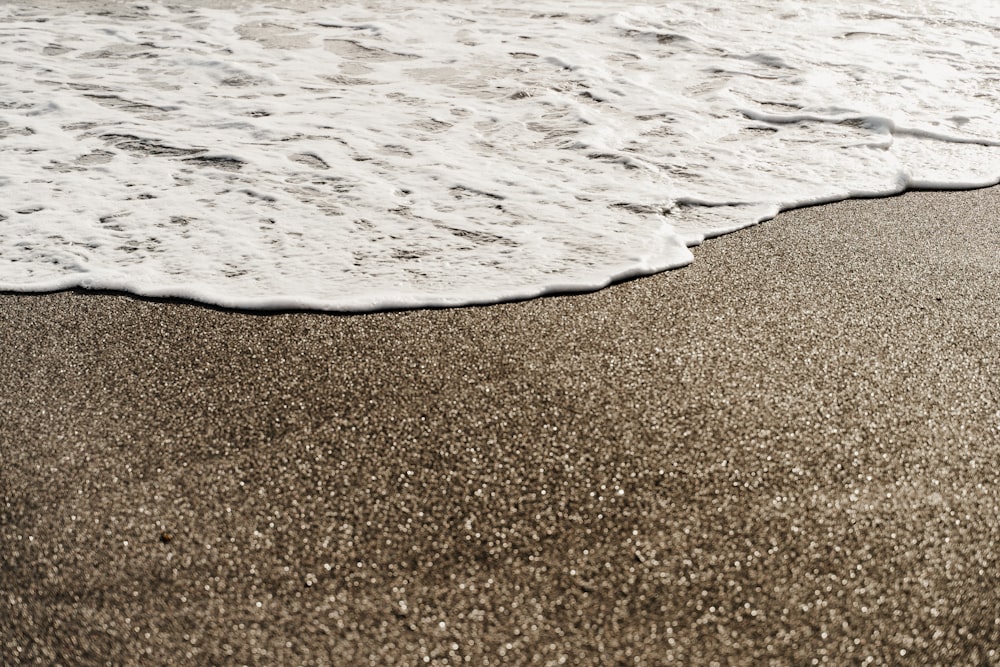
point(799, 463)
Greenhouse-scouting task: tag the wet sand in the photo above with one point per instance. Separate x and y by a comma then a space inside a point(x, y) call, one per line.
point(786, 452)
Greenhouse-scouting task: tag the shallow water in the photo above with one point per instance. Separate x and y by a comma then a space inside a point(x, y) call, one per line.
point(402, 154)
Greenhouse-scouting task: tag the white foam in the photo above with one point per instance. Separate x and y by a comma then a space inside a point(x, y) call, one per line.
point(400, 154)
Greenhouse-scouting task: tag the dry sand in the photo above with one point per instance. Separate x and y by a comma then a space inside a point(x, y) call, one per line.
point(787, 452)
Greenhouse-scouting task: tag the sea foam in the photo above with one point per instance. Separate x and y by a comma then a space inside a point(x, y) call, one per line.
point(406, 154)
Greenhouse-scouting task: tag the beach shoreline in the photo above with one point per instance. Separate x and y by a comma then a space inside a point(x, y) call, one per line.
point(797, 464)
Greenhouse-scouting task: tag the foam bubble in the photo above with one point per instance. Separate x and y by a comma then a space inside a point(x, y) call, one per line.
point(434, 153)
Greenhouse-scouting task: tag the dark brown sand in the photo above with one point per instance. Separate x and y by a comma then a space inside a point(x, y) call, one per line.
point(786, 453)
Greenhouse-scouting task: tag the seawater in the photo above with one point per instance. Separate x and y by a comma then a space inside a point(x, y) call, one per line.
point(403, 154)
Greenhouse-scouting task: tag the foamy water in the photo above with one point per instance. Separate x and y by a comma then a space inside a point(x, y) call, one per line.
point(402, 154)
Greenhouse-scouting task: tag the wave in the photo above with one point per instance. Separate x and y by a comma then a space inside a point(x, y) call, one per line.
point(432, 154)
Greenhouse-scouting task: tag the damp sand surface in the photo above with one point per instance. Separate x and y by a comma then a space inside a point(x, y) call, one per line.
point(786, 451)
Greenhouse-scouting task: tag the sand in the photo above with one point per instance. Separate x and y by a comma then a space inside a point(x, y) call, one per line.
point(786, 452)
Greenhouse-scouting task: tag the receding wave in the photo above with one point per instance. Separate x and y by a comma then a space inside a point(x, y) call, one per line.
point(439, 153)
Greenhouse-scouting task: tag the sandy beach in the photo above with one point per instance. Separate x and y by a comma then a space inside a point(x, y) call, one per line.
point(800, 467)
